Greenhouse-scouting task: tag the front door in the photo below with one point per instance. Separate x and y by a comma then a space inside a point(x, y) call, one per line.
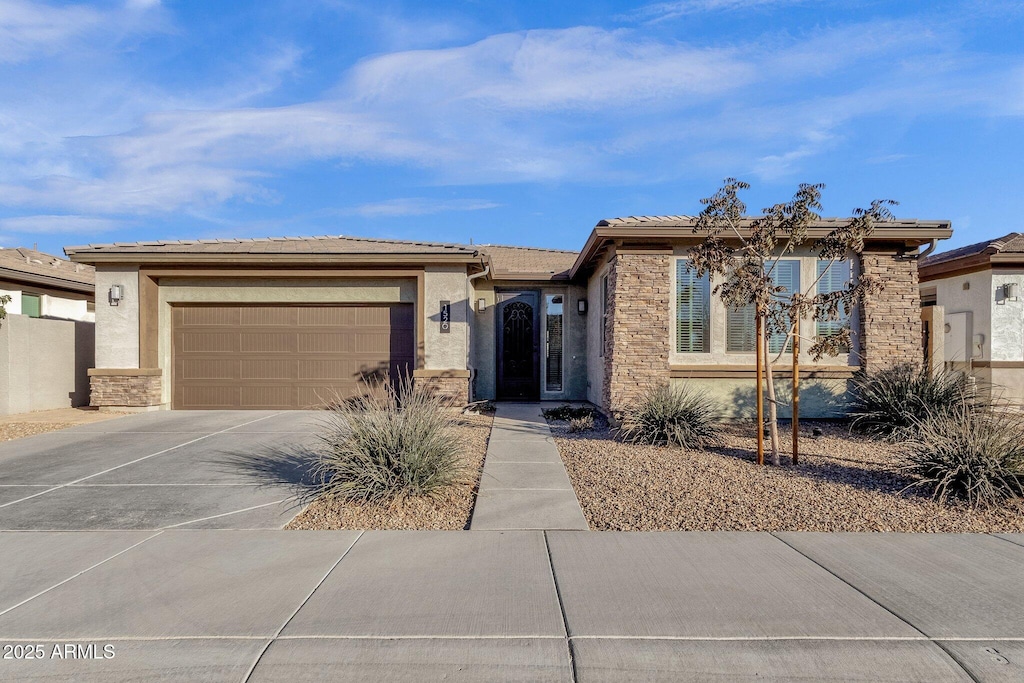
point(518, 346)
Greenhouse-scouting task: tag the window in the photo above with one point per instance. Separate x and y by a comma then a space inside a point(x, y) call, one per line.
point(693, 310)
point(30, 305)
point(832, 279)
point(553, 342)
point(741, 327)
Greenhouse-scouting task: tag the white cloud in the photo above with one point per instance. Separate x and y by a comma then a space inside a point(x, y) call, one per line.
point(555, 105)
point(59, 224)
point(420, 206)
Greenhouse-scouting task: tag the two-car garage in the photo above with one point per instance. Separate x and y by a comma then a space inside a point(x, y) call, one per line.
point(285, 356)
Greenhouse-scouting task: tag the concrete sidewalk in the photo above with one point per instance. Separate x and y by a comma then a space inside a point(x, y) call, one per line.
point(524, 484)
point(213, 605)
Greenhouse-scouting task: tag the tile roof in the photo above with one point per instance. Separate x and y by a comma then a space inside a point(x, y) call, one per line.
point(1012, 243)
point(21, 260)
point(528, 260)
point(682, 221)
point(325, 244)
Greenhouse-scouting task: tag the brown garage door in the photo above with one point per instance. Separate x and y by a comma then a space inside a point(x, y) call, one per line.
point(285, 356)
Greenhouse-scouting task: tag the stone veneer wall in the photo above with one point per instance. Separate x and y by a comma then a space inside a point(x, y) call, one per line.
point(891, 320)
point(452, 390)
point(636, 349)
point(128, 390)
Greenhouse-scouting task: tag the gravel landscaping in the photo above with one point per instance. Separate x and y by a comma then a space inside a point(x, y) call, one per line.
point(844, 483)
point(449, 511)
point(17, 430)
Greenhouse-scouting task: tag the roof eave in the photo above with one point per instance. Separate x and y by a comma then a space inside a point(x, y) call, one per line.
point(186, 258)
point(921, 233)
point(52, 281)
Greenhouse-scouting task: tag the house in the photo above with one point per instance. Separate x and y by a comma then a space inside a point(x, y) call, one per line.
point(978, 290)
point(46, 340)
point(289, 322)
point(44, 286)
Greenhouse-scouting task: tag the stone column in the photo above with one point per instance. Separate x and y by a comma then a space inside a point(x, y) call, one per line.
point(891, 330)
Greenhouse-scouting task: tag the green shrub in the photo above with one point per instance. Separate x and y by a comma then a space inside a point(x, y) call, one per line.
point(888, 403)
point(677, 416)
point(568, 412)
point(584, 423)
point(396, 441)
point(968, 452)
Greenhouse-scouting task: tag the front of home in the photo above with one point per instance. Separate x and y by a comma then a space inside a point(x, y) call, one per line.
point(294, 322)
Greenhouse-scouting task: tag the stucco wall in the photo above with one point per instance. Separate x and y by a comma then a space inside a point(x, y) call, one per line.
point(819, 398)
point(976, 300)
point(445, 351)
point(595, 350)
point(117, 327)
point(1007, 318)
point(43, 364)
point(257, 290)
point(67, 309)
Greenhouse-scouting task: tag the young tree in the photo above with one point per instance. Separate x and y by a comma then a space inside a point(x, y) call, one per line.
point(4, 300)
point(743, 254)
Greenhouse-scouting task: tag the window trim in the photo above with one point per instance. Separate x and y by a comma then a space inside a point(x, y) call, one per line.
point(708, 341)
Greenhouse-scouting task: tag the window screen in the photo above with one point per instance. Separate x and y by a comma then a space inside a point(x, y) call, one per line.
point(833, 279)
point(741, 327)
point(31, 305)
point(693, 310)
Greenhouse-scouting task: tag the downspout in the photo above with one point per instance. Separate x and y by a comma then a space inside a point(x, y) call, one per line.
point(470, 312)
point(932, 243)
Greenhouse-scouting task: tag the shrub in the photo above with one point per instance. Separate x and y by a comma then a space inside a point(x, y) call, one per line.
point(888, 403)
point(583, 423)
point(968, 452)
point(671, 415)
point(396, 441)
point(569, 412)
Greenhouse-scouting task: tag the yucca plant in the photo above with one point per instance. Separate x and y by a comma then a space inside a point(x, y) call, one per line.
point(679, 415)
point(967, 452)
point(395, 441)
point(891, 402)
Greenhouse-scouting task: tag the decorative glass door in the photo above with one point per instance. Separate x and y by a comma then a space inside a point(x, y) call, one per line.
point(518, 346)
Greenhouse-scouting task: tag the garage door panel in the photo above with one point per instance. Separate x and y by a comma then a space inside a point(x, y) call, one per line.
point(267, 396)
point(208, 368)
point(221, 316)
point(263, 316)
point(267, 368)
point(209, 397)
point(286, 356)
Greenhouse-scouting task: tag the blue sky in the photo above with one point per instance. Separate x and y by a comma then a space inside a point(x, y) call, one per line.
point(505, 122)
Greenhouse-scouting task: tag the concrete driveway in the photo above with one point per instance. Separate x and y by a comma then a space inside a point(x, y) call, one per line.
point(208, 469)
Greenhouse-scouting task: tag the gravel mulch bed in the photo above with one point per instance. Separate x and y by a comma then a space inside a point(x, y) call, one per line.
point(843, 483)
point(448, 511)
point(16, 430)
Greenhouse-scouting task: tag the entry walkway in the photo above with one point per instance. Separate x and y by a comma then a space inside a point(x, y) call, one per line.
point(524, 483)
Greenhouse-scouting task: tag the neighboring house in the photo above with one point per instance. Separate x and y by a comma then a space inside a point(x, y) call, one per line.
point(46, 341)
point(289, 322)
point(978, 289)
point(44, 286)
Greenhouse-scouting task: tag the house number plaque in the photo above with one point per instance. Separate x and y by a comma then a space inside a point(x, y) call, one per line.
point(446, 316)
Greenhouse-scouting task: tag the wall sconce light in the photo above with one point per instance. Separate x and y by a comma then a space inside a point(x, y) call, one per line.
point(116, 294)
point(581, 306)
point(481, 305)
point(1011, 291)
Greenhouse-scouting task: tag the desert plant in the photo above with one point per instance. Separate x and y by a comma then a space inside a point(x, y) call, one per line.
point(968, 452)
point(583, 423)
point(891, 402)
point(568, 412)
point(678, 416)
point(395, 441)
